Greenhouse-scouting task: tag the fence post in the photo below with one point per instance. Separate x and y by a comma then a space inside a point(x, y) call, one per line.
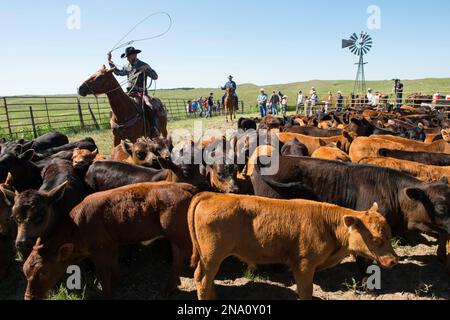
point(80, 114)
point(48, 115)
point(33, 123)
point(7, 118)
point(93, 117)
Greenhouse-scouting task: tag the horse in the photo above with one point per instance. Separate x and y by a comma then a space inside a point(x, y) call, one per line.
point(230, 104)
point(128, 120)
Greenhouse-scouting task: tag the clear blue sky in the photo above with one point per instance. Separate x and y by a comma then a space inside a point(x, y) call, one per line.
point(258, 41)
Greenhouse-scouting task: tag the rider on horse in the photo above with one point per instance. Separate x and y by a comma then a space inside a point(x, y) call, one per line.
point(230, 84)
point(137, 72)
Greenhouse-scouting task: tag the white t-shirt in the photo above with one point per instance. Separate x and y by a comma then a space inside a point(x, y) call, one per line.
point(301, 99)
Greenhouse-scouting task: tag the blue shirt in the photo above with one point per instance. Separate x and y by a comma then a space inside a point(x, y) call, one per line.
point(230, 84)
point(262, 99)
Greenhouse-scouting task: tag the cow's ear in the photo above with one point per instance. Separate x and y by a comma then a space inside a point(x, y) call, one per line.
point(374, 208)
point(356, 121)
point(65, 252)
point(166, 164)
point(95, 153)
point(169, 143)
point(8, 196)
point(339, 145)
point(351, 222)
point(322, 143)
point(58, 192)
point(127, 147)
point(415, 194)
point(28, 155)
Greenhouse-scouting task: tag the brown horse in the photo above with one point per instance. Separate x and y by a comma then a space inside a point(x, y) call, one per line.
point(128, 121)
point(230, 104)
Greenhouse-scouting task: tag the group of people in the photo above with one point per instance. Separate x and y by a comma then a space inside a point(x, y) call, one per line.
point(308, 104)
point(204, 105)
point(272, 105)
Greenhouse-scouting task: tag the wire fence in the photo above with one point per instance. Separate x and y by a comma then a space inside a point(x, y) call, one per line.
point(29, 116)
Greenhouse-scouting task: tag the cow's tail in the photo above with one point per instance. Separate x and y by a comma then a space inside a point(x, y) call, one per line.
point(195, 259)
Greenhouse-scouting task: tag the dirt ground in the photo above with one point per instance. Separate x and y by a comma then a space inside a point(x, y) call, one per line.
point(419, 276)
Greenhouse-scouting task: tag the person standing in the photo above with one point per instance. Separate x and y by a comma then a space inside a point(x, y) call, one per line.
point(329, 102)
point(275, 102)
point(340, 102)
point(210, 104)
point(300, 102)
point(398, 88)
point(284, 102)
point(262, 103)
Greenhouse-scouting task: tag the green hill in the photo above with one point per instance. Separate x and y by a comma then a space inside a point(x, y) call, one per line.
point(249, 92)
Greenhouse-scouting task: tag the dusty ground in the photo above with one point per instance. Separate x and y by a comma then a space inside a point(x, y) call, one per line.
point(418, 276)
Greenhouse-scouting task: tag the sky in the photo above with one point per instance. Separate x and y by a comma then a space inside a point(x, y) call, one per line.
point(258, 41)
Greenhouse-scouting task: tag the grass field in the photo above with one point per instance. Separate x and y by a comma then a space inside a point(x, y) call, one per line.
point(62, 112)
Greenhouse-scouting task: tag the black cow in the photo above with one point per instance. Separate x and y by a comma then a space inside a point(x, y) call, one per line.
point(38, 212)
point(363, 128)
point(313, 131)
point(430, 158)
point(26, 175)
point(246, 124)
point(87, 144)
point(107, 175)
point(406, 202)
point(294, 148)
point(47, 141)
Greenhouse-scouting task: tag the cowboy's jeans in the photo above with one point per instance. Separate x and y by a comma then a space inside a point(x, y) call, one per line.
point(262, 110)
point(275, 109)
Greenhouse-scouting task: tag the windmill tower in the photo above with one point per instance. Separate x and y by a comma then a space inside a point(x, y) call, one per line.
point(360, 46)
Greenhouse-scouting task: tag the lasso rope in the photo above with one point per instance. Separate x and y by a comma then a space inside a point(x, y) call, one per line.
point(119, 43)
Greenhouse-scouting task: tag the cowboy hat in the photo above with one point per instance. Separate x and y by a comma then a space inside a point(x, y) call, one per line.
point(130, 50)
point(230, 77)
point(262, 90)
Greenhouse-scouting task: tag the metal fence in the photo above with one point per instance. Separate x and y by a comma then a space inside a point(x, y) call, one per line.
point(29, 116)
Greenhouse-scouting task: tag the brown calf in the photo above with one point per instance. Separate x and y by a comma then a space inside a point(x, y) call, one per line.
point(307, 236)
point(331, 153)
point(105, 220)
point(424, 172)
point(368, 147)
point(314, 143)
point(83, 157)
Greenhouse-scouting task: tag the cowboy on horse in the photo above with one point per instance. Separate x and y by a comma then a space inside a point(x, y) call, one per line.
point(230, 84)
point(137, 72)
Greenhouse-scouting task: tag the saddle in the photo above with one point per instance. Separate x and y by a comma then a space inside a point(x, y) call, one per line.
point(152, 106)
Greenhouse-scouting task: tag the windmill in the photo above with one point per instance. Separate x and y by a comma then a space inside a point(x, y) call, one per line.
point(360, 46)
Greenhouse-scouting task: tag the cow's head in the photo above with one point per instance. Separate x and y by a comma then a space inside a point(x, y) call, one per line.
point(428, 206)
point(360, 127)
point(83, 158)
point(35, 216)
point(44, 267)
point(12, 161)
point(162, 147)
point(6, 193)
point(139, 152)
point(369, 235)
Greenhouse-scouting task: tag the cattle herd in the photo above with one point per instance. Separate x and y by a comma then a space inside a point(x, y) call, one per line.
point(345, 184)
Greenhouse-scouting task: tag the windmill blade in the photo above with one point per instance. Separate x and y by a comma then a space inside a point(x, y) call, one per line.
point(354, 37)
point(365, 50)
point(354, 50)
point(346, 43)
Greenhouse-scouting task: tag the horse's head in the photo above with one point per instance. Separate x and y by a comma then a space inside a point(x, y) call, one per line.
point(230, 91)
point(101, 82)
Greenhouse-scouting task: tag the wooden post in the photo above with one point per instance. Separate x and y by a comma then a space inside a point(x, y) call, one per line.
point(7, 118)
point(33, 123)
point(48, 115)
point(80, 114)
point(93, 117)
